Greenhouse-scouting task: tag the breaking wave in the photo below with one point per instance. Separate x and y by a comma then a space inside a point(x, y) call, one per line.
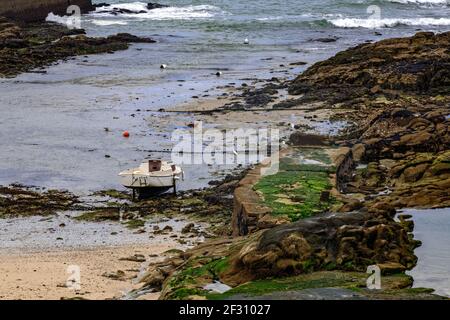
point(425, 2)
point(139, 10)
point(388, 23)
point(57, 19)
point(99, 22)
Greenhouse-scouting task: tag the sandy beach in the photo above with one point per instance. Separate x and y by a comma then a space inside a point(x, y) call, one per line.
point(39, 254)
point(360, 110)
point(42, 275)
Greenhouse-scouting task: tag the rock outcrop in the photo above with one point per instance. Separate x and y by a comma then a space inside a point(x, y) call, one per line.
point(30, 46)
point(419, 64)
point(38, 10)
point(396, 155)
point(346, 242)
point(397, 93)
point(350, 241)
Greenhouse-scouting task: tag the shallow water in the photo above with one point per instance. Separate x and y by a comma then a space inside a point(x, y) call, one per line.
point(432, 227)
point(52, 125)
point(62, 232)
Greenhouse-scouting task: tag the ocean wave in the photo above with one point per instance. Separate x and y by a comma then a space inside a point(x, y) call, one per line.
point(286, 17)
point(277, 18)
point(51, 17)
point(388, 23)
point(68, 20)
point(140, 11)
point(425, 2)
point(99, 22)
point(133, 6)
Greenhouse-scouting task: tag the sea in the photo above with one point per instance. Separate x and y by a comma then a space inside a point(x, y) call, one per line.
point(53, 124)
point(63, 128)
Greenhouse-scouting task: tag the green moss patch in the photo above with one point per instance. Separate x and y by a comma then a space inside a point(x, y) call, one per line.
point(102, 214)
point(296, 190)
point(397, 286)
point(135, 223)
point(313, 280)
point(116, 194)
point(192, 278)
point(112, 214)
point(18, 200)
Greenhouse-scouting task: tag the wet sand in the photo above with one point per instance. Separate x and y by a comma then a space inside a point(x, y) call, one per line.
point(208, 110)
point(43, 274)
point(36, 252)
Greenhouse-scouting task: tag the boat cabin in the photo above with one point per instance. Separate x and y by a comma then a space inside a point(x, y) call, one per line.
point(154, 165)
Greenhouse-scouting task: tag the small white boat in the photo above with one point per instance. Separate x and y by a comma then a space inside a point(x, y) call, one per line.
point(152, 174)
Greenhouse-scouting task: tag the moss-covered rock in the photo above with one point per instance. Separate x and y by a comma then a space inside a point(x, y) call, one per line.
point(16, 200)
point(297, 190)
point(416, 64)
point(30, 46)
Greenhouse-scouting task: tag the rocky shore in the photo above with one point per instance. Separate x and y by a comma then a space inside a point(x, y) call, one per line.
point(313, 228)
point(400, 89)
point(37, 10)
point(30, 47)
point(110, 237)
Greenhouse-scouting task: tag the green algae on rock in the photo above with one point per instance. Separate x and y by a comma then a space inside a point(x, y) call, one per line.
point(196, 273)
point(301, 187)
point(29, 46)
point(397, 286)
point(417, 64)
point(211, 205)
point(396, 156)
point(346, 242)
point(16, 200)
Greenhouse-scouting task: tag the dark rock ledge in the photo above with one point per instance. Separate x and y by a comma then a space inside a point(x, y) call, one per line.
point(25, 47)
point(397, 94)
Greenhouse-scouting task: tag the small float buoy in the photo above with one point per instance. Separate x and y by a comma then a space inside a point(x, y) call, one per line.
point(218, 73)
point(246, 41)
point(163, 66)
point(126, 134)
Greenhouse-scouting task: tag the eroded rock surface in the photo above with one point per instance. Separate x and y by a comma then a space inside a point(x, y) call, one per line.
point(417, 64)
point(396, 92)
point(27, 47)
point(349, 241)
point(400, 139)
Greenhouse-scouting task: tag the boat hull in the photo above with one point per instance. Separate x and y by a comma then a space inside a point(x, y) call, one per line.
point(143, 181)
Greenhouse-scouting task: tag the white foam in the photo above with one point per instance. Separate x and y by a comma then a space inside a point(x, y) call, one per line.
point(57, 19)
point(387, 23)
point(271, 18)
point(168, 13)
point(420, 1)
point(108, 22)
point(134, 6)
point(304, 160)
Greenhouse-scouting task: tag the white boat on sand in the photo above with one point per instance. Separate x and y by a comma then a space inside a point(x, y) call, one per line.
point(152, 175)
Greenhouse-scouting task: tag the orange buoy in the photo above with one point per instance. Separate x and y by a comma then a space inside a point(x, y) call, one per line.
point(126, 134)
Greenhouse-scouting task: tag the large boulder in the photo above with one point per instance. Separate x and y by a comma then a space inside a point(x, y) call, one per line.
point(419, 64)
point(347, 241)
point(32, 11)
